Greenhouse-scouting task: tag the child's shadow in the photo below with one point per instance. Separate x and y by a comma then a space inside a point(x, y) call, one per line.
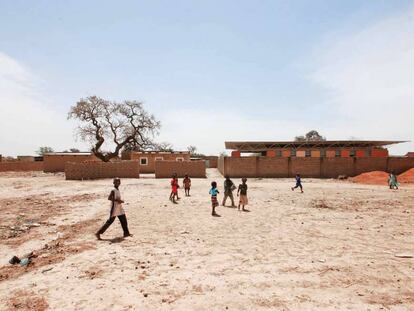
point(246, 210)
point(114, 240)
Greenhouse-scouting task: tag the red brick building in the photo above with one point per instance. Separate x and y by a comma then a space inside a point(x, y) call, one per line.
point(314, 149)
point(310, 159)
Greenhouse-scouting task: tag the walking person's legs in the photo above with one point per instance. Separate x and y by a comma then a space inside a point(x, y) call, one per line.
point(232, 199)
point(225, 199)
point(124, 224)
point(104, 227)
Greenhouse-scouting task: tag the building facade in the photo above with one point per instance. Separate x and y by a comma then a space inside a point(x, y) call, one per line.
point(147, 159)
point(321, 159)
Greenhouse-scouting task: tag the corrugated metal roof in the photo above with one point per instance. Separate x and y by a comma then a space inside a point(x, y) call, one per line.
point(258, 146)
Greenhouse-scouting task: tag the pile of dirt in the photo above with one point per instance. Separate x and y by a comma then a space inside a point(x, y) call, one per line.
point(407, 176)
point(372, 178)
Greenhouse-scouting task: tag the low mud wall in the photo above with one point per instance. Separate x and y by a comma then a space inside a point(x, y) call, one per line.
point(194, 169)
point(21, 166)
point(99, 170)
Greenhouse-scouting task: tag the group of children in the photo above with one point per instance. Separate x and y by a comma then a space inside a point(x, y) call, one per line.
point(175, 186)
point(117, 210)
point(228, 190)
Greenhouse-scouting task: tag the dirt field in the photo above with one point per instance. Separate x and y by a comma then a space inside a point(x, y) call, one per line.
point(330, 248)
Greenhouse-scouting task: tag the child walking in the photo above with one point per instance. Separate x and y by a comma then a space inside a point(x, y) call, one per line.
point(229, 187)
point(174, 189)
point(392, 181)
point(116, 211)
point(298, 183)
point(187, 185)
point(214, 201)
point(243, 194)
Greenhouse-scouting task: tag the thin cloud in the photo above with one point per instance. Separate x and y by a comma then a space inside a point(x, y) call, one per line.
point(28, 119)
point(368, 78)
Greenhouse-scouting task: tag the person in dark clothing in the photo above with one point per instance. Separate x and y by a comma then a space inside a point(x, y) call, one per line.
point(243, 194)
point(298, 183)
point(116, 211)
point(229, 187)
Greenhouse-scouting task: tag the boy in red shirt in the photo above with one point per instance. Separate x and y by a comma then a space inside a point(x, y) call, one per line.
point(174, 189)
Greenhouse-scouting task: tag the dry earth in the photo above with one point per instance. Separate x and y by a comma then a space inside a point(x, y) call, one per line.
point(331, 248)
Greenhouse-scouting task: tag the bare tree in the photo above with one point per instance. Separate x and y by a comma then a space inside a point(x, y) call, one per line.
point(118, 124)
point(163, 146)
point(193, 152)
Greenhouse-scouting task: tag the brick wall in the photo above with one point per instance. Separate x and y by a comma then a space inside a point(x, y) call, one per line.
point(306, 167)
point(400, 164)
point(310, 167)
point(99, 169)
point(25, 158)
point(56, 163)
point(20, 166)
point(272, 167)
point(221, 165)
point(194, 169)
point(241, 167)
point(212, 161)
point(370, 164)
point(333, 167)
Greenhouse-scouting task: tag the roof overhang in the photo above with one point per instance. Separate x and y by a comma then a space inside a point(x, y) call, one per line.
point(260, 146)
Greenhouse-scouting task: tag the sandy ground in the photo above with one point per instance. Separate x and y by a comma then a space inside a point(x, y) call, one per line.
point(330, 248)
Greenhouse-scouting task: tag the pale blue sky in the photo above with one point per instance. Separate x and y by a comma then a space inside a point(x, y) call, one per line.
point(230, 69)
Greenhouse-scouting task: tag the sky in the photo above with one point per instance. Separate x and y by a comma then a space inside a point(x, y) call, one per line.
point(210, 71)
